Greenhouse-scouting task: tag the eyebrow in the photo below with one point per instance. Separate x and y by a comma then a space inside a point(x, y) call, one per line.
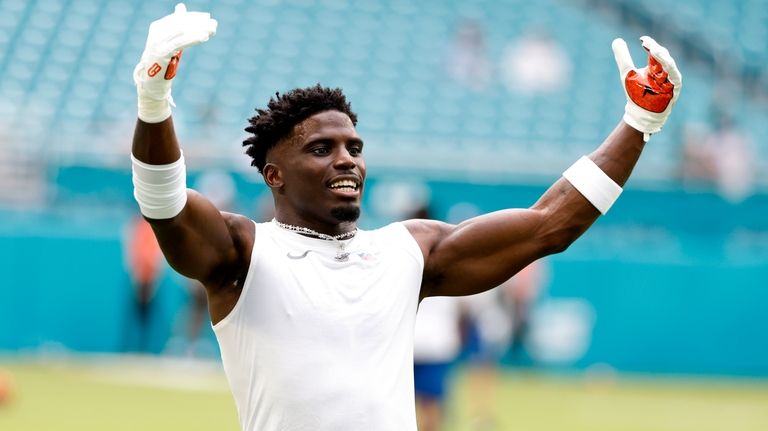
point(330, 141)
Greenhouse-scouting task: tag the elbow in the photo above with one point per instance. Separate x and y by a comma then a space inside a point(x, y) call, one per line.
point(559, 229)
point(559, 241)
point(555, 247)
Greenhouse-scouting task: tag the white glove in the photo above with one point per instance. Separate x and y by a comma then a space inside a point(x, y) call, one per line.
point(651, 91)
point(167, 38)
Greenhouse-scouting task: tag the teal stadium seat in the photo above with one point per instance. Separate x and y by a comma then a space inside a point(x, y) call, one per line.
point(69, 65)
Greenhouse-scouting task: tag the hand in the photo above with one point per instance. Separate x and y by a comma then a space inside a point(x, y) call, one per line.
point(651, 91)
point(166, 40)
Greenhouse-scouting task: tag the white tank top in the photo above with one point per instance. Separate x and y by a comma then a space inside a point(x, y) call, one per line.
point(320, 345)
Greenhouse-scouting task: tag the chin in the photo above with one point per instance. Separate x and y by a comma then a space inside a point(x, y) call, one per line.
point(346, 213)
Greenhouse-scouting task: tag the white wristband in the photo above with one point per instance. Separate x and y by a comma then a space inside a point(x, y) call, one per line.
point(599, 189)
point(160, 190)
point(154, 111)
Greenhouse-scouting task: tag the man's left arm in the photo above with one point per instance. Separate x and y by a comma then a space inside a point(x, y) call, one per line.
point(483, 252)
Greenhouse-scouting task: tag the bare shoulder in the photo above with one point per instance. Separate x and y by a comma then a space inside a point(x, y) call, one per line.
point(428, 233)
point(242, 231)
point(236, 257)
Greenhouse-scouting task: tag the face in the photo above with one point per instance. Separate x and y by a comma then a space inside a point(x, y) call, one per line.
point(317, 173)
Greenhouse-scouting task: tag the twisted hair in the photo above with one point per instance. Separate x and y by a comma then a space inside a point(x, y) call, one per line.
point(285, 111)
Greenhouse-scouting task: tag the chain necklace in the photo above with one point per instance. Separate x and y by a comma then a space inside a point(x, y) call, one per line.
point(341, 255)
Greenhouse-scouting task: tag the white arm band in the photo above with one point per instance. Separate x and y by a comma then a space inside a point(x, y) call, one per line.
point(154, 111)
point(593, 183)
point(160, 190)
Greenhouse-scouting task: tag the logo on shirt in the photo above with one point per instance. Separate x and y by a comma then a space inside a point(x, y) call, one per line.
point(298, 256)
point(363, 255)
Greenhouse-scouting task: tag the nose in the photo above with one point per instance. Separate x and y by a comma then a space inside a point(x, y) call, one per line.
point(344, 160)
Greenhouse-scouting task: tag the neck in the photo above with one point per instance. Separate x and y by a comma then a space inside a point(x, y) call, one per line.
point(306, 231)
point(318, 226)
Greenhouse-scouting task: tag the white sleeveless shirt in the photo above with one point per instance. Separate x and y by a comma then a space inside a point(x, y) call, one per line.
point(320, 345)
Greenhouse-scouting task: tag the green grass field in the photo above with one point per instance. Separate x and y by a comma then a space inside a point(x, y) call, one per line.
point(153, 394)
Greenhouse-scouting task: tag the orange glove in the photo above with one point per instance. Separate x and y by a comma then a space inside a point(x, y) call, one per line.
point(651, 91)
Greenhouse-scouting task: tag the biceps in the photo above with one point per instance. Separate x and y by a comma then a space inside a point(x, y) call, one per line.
point(486, 251)
point(197, 241)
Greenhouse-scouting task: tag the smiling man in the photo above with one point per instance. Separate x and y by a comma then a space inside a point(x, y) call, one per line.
point(315, 317)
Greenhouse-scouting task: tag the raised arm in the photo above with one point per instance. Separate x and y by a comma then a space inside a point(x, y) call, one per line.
point(484, 251)
point(196, 239)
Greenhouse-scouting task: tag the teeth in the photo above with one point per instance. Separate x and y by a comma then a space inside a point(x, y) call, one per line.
point(344, 184)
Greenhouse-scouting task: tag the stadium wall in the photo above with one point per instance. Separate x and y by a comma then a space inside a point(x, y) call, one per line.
point(677, 281)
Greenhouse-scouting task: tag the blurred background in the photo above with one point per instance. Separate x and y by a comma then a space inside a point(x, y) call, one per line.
point(654, 320)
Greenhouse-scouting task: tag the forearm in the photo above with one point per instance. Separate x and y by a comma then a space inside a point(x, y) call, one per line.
point(156, 143)
point(566, 212)
point(619, 153)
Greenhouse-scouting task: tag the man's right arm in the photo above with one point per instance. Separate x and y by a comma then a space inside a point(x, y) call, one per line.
point(197, 240)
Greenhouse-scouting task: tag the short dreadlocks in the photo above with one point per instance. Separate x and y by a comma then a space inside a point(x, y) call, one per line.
point(285, 111)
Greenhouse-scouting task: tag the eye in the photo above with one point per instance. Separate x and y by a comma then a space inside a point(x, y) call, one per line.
point(355, 150)
point(320, 150)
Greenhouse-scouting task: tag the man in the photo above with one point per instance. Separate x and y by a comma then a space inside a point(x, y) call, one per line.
point(144, 262)
point(315, 317)
point(436, 345)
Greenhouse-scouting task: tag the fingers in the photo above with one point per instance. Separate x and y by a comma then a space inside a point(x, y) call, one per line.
point(658, 77)
point(183, 29)
point(622, 56)
point(656, 70)
point(182, 40)
point(211, 25)
point(200, 29)
point(660, 54)
point(199, 23)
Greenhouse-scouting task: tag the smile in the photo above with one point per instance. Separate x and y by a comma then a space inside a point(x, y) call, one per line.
point(345, 185)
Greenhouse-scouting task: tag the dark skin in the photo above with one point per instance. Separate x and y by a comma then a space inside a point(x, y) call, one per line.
point(476, 255)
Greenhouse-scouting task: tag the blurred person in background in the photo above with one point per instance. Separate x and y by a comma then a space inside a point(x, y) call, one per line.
point(535, 63)
point(315, 317)
point(733, 158)
point(723, 156)
point(437, 342)
point(526, 288)
point(468, 61)
point(487, 331)
point(496, 324)
point(696, 165)
point(144, 261)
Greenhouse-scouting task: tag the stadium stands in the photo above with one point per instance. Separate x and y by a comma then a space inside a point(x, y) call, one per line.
point(740, 26)
point(66, 69)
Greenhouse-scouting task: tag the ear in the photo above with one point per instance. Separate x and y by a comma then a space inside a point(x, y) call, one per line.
point(273, 176)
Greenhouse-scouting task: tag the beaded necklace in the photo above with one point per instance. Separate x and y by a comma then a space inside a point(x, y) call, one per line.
point(341, 255)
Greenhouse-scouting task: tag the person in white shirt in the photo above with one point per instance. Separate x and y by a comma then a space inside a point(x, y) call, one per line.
point(436, 345)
